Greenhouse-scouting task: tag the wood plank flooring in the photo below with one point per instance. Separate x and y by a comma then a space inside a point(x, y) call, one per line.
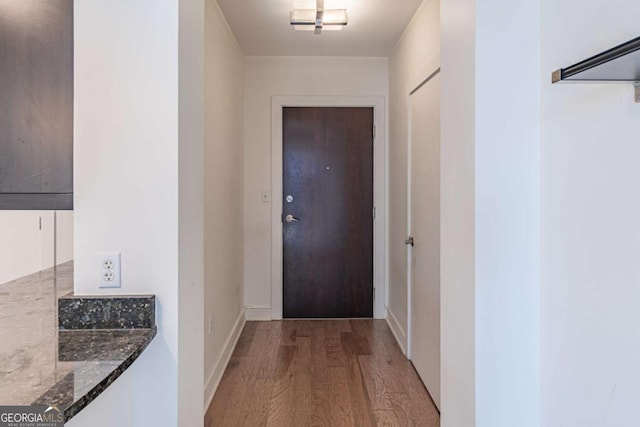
point(320, 373)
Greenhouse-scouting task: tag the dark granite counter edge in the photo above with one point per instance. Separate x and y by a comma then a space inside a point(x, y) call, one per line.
point(71, 296)
point(81, 403)
point(106, 312)
point(56, 395)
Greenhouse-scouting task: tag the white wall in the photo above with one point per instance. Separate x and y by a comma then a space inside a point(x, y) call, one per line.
point(191, 190)
point(282, 76)
point(590, 230)
point(224, 193)
point(414, 58)
point(507, 235)
point(457, 328)
point(490, 213)
point(138, 131)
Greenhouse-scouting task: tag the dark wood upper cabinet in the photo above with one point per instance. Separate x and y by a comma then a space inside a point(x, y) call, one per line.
point(36, 104)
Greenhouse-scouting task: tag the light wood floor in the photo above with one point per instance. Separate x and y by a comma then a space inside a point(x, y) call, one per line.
point(320, 373)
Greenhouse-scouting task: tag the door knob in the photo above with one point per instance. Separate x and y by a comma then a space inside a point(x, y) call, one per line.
point(290, 218)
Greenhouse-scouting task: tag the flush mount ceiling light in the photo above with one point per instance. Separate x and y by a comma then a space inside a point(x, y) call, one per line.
point(318, 15)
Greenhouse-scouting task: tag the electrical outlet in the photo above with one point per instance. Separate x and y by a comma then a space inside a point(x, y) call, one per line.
point(110, 270)
point(108, 276)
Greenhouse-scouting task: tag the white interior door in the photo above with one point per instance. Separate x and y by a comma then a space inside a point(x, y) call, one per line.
point(424, 224)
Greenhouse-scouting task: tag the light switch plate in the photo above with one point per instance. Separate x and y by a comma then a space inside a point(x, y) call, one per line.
point(265, 197)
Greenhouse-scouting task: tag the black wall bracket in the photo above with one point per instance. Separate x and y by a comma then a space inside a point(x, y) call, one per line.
point(620, 64)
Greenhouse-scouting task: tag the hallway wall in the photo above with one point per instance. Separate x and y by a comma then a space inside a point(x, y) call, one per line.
point(490, 263)
point(138, 181)
point(223, 196)
point(126, 185)
point(590, 230)
point(284, 76)
point(414, 58)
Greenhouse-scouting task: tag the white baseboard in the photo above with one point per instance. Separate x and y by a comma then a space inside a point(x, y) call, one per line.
point(258, 313)
point(397, 330)
point(223, 360)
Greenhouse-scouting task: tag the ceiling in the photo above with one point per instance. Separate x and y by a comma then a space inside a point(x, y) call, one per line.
point(262, 28)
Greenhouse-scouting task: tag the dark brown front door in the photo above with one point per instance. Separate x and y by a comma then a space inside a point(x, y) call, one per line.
point(328, 212)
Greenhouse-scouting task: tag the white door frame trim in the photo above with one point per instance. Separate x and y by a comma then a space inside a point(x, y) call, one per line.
point(379, 191)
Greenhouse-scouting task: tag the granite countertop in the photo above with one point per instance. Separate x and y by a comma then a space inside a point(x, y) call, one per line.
point(64, 350)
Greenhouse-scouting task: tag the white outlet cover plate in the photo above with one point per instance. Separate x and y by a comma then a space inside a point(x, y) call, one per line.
point(110, 263)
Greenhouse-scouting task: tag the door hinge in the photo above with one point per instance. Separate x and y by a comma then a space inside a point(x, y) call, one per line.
point(374, 293)
point(374, 131)
point(40, 223)
point(374, 212)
